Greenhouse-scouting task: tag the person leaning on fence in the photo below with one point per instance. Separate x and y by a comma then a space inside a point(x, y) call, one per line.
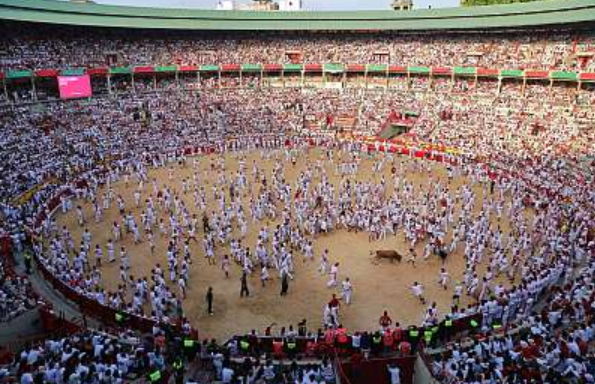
point(376, 343)
point(329, 336)
point(397, 333)
point(278, 346)
point(245, 347)
point(302, 328)
point(473, 325)
point(356, 342)
point(427, 336)
point(311, 347)
point(254, 342)
point(291, 347)
point(190, 348)
point(366, 344)
point(413, 337)
point(342, 340)
point(388, 342)
point(446, 329)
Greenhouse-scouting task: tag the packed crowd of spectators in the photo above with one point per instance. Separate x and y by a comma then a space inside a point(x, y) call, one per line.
point(270, 371)
point(89, 356)
point(117, 357)
point(552, 345)
point(16, 294)
point(47, 47)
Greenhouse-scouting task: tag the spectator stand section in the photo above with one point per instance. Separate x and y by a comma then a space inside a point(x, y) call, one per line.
point(24, 85)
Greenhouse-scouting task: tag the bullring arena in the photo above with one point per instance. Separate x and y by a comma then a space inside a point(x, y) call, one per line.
point(378, 285)
point(263, 197)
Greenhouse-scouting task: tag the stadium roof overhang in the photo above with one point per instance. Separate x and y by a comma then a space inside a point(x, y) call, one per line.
point(560, 13)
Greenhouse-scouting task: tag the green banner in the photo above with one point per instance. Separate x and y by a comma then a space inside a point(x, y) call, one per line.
point(293, 67)
point(419, 70)
point(517, 73)
point(377, 68)
point(73, 72)
point(209, 68)
point(251, 67)
point(333, 68)
point(465, 71)
point(19, 74)
point(564, 75)
point(120, 70)
point(168, 68)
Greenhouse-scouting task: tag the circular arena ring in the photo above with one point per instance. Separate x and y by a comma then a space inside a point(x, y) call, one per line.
point(212, 218)
point(303, 196)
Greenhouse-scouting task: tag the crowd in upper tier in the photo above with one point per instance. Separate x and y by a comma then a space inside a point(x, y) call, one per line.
point(46, 47)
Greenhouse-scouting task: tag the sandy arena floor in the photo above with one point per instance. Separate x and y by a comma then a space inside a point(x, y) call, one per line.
point(377, 287)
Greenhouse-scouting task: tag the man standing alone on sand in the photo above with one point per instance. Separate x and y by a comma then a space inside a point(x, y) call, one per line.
point(244, 289)
point(284, 284)
point(385, 321)
point(210, 300)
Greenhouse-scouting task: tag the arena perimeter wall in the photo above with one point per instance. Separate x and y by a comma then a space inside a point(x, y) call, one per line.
point(548, 13)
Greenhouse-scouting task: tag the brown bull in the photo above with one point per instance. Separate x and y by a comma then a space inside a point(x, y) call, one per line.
point(387, 254)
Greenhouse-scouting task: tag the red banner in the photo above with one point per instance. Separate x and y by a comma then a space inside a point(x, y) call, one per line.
point(46, 73)
point(144, 69)
point(487, 72)
point(397, 69)
point(313, 67)
point(230, 67)
point(273, 67)
point(537, 74)
point(356, 68)
point(188, 68)
point(441, 71)
point(98, 71)
point(587, 76)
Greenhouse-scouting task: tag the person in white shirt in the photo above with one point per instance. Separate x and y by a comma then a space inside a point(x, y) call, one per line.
point(443, 279)
point(346, 290)
point(418, 292)
point(333, 274)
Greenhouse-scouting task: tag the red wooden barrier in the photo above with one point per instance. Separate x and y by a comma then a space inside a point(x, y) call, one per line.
point(375, 370)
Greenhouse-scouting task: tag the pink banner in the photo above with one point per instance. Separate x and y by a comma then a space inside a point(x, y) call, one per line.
point(72, 87)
